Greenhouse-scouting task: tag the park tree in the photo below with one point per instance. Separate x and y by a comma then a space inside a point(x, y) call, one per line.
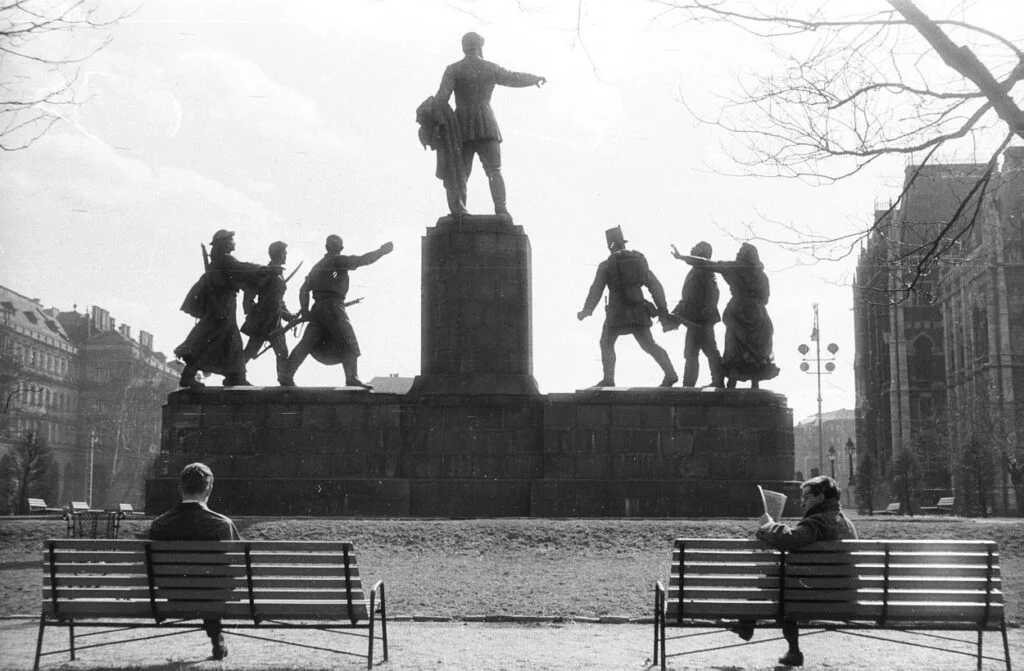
point(25, 471)
point(43, 45)
point(906, 477)
point(867, 479)
point(124, 410)
point(853, 83)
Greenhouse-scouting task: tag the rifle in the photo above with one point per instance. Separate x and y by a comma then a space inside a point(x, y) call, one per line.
point(206, 257)
point(292, 324)
point(289, 278)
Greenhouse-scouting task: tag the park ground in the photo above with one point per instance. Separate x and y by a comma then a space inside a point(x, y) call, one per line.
point(577, 590)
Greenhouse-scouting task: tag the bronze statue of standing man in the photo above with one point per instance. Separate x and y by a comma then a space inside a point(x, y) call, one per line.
point(473, 80)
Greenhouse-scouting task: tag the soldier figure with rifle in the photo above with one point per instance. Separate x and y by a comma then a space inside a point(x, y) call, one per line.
point(264, 308)
point(329, 337)
point(214, 344)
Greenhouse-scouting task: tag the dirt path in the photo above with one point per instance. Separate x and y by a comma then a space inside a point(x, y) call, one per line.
point(494, 647)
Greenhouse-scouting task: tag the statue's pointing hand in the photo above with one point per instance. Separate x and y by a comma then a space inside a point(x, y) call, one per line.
point(387, 247)
point(541, 81)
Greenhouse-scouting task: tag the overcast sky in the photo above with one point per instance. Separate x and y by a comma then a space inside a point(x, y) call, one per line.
point(292, 121)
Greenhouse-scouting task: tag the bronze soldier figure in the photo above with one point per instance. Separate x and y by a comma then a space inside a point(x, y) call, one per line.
point(329, 336)
point(473, 80)
point(214, 344)
point(625, 273)
point(698, 311)
point(264, 308)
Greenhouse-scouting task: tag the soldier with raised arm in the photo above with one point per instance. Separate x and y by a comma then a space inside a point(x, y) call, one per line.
point(472, 80)
point(329, 336)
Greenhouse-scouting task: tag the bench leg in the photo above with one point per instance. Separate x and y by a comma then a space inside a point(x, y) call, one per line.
point(1006, 644)
point(39, 642)
point(980, 639)
point(71, 637)
point(384, 623)
point(369, 654)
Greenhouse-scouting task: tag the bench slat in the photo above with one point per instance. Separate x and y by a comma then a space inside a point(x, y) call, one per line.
point(119, 608)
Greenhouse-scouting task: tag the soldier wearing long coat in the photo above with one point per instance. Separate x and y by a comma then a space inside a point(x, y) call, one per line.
point(214, 344)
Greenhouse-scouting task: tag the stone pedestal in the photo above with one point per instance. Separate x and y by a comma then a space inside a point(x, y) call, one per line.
point(476, 308)
point(619, 453)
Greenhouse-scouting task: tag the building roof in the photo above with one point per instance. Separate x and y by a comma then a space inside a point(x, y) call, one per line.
point(392, 384)
point(26, 315)
point(831, 416)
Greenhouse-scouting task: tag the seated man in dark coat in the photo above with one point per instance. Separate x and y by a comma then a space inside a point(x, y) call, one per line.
point(191, 520)
point(823, 520)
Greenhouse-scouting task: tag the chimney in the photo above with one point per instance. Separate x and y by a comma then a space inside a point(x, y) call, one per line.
point(146, 340)
point(125, 330)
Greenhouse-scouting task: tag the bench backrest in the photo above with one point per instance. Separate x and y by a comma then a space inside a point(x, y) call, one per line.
point(257, 580)
point(125, 508)
point(79, 506)
point(36, 504)
point(945, 502)
point(93, 524)
point(893, 507)
point(880, 581)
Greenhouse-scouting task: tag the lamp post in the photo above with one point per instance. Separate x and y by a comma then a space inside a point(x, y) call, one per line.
point(830, 366)
point(92, 454)
point(832, 454)
point(851, 483)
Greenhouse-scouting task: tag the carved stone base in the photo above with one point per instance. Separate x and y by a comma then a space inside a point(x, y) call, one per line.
point(604, 452)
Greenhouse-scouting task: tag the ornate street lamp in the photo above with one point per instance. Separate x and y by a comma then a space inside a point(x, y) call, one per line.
point(830, 366)
point(832, 454)
point(852, 482)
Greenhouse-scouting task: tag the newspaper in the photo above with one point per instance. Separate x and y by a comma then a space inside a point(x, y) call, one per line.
point(772, 502)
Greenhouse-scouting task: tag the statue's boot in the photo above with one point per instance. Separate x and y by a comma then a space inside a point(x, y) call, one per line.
point(188, 377)
point(661, 356)
point(691, 368)
point(456, 202)
point(351, 367)
point(284, 373)
point(715, 364)
point(497, 184)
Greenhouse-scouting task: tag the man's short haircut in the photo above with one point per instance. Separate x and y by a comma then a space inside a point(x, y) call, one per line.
point(196, 479)
point(822, 484)
point(334, 243)
point(472, 42)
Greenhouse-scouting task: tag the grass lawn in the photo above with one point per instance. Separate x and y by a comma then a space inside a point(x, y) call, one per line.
point(559, 568)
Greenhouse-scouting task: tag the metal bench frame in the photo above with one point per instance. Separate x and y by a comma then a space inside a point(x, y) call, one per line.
point(67, 582)
point(870, 567)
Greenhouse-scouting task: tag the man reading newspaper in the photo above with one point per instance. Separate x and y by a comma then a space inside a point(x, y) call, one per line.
point(823, 520)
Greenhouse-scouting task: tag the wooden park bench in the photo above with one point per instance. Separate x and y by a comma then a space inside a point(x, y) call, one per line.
point(126, 510)
point(856, 587)
point(130, 584)
point(36, 506)
point(893, 508)
point(942, 507)
point(78, 507)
